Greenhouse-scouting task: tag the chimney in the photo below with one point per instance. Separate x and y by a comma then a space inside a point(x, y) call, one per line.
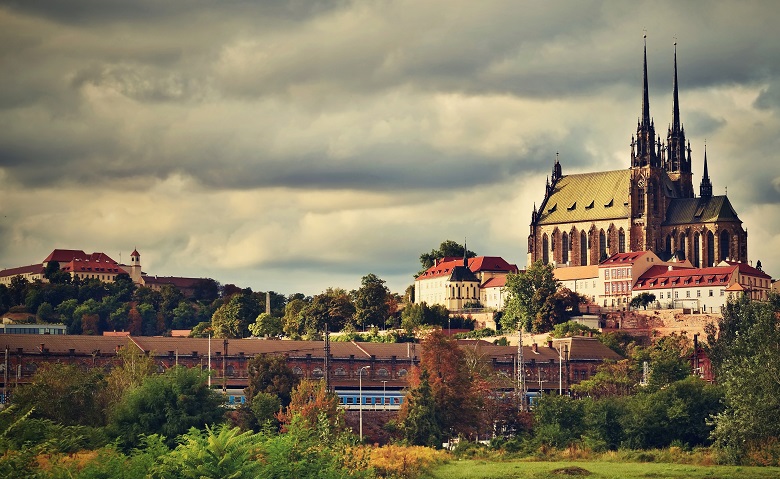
point(535, 347)
point(549, 344)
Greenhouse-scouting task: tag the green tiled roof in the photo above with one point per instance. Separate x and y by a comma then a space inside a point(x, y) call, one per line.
point(700, 210)
point(588, 197)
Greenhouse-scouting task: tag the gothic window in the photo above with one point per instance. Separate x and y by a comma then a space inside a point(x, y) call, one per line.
point(696, 251)
point(583, 249)
point(621, 241)
point(710, 249)
point(724, 245)
point(602, 246)
point(564, 248)
point(669, 244)
point(340, 372)
point(682, 246)
point(640, 192)
point(545, 249)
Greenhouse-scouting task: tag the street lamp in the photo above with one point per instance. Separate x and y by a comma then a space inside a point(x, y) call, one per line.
point(384, 395)
point(360, 407)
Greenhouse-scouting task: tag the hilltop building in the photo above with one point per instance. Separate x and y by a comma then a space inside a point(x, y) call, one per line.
point(650, 206)
point(457, 283)
point(100, 266)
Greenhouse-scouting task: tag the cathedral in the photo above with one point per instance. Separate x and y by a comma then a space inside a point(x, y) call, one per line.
point(650, 206)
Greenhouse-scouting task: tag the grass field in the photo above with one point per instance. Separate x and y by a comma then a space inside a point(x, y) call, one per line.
point(594, 470)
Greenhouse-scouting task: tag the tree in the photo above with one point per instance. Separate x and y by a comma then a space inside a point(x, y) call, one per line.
point(266, 325)
point(450, 383)
point(293, 323)
point(232, 319)
point(642, 300)
point(371, 301)
point(420, 420)
point(447, 249)
point(746, 361)
point(612, 379)
point(168, 404)
point(536, 301)
point(133, 368)
point(65, 394)
point(315, 407)
point(558, 420)
point(271, 374)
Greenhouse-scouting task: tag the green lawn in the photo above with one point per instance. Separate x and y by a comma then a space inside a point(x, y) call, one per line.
point(594, 470)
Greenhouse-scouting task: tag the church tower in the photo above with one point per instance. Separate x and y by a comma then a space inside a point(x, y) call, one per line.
point(678, 155)
point(705, 188)
point(135, 266)
point(644, 150)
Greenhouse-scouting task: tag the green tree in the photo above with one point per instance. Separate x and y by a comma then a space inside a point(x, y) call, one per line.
point(132, 369)
point(642, 300)
point(293, 323)
point(558, 420)
point(232, 319)
point(168, 404)
point(746, 360)
point(532, 300)
point(265, 407)
point(371, 302)
point(447, 249)
point(267, 325)
point(271, 374)
point(420, 419)
point(680, 412)
point(65, 394)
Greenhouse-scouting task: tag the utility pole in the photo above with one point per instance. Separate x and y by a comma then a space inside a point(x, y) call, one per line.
point(224, 365)
point(521, 386)
point(327, 359)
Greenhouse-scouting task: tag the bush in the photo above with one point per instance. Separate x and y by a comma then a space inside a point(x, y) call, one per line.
point(405, 461)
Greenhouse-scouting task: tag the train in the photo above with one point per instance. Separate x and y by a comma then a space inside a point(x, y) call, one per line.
point(379, 400)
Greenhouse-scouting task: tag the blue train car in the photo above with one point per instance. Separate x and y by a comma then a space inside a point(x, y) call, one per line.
point(371, 400)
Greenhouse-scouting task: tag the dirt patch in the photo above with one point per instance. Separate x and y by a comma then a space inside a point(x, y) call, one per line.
point(571, 471)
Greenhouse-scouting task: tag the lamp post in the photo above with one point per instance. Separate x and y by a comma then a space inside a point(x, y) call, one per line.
point(384, 395)
point(360, 406)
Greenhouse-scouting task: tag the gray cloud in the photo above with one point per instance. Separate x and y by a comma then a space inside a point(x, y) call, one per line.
point(241, 131)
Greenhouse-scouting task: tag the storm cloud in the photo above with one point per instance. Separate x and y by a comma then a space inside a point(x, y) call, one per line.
point(299, 145)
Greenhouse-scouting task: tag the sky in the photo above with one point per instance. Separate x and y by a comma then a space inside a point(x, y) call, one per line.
point(299, 145)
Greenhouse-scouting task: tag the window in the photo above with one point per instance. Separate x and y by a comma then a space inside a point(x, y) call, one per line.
point(687, 294)
point(710, 292)
point(698, 293)
point(675, 295)
point(721, 292)
point(606, 274)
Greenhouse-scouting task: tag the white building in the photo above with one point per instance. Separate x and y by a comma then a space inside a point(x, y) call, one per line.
point(456, 283)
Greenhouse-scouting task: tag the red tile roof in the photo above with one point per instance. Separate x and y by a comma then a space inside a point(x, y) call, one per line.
point(476, 265)
point(495, 282)
point(21, 270)
point(623, 258)
point(745, 268)
point(660, 277)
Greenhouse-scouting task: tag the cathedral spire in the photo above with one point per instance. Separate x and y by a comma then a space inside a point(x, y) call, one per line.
point(645, 94)
point(705, 188)
point(645, 153)
point(676, 99)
